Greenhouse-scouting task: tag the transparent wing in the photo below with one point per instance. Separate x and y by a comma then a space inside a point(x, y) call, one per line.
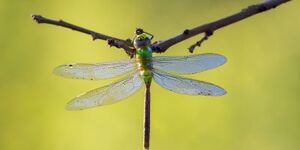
point(186, 86)
point(108, 94)
point(95, 71)
point(188, 64)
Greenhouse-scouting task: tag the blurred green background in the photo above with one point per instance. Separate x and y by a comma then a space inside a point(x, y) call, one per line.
point(262, 77)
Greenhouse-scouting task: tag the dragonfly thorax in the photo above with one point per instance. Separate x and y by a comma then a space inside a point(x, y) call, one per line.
point(144, 63)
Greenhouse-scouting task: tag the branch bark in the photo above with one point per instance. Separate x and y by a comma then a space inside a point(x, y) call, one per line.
point(112, 41)
point(215, 25)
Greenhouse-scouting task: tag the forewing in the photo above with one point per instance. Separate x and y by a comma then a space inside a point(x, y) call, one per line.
point(188, 64)
point(95, 71)
point(186, 86)
point(108, 94)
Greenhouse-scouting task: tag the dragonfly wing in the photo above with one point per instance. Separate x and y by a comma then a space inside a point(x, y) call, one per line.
point(108, 94)
point(186, 86)
point(95, 71)
point(188, 64)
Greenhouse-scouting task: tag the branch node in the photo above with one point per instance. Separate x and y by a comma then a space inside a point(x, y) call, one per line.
point(112, 42)
point(128, 40)
point(94, 36)
point(209, 33)
point(156, 48)
point(186, 31)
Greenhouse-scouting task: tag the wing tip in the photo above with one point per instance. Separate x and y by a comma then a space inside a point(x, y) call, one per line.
point(70, 107)
point(218, 55)
point(222, 57)
point(58, 70)
point(221, 93)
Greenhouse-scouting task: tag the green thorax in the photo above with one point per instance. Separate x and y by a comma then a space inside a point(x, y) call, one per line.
point(144, 62)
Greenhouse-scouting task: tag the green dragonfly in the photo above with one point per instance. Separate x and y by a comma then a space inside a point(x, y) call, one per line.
point(163, 69)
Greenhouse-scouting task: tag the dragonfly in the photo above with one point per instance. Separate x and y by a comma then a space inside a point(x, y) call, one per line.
point(164, 70)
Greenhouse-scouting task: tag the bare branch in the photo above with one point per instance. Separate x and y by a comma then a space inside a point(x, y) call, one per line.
point(112, 41)
point(213, 26)
point(162, 46)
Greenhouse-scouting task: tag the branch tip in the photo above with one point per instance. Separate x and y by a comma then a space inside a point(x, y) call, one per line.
point(37, 18)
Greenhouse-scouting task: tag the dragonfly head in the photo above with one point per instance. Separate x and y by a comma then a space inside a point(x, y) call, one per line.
point(141, 39)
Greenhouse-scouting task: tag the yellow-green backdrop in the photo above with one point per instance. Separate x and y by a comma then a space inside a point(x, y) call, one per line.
point(262, 77)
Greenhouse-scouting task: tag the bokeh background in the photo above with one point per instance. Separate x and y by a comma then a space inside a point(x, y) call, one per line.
point(262, 77)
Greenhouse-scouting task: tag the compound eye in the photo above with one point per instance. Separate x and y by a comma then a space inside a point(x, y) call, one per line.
point(139, 31)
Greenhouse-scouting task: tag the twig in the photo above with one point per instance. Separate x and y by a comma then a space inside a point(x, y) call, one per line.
point(112, 41)
point(198, 43)
point(215, 25)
